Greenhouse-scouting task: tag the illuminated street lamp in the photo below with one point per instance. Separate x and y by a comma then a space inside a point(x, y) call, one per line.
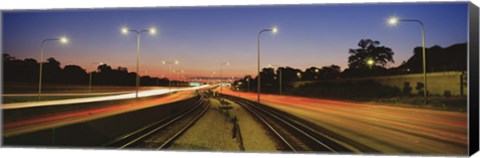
point(316, 73)
point(170, 63)
point(125, 31)
point(280, 77)
point(221, 74)
point(273, 30)
point(393, 21)
point(62, 40)
point(90, 76)
point(370, 62)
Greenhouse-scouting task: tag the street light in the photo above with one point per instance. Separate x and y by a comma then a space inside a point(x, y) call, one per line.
point(90, 76)
point(62, 40)
point(221, 75)
point(393, 21)
point(316, 73)
point(178, 76)
point(170, 63)
point(280, 76)
point(211, 77)
point(299, 75)
point(370, 62)
point(125, 31)
point(273, 30)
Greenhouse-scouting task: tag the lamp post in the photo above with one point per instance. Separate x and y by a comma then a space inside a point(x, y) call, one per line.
point(279, 76)
point(221, 75)
point(273, 30)
point(62, 40)
point(212, 75)
point(248, 84)
point(125, 31)
point(394, 21)
point(170, 63)
point(90, 77)
point(178, 76)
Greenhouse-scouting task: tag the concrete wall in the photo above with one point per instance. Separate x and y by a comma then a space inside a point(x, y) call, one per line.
point(437, 82)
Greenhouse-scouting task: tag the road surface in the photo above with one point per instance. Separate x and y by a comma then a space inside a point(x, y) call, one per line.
point(50, 121)
point(388, 129)
point(145, 93)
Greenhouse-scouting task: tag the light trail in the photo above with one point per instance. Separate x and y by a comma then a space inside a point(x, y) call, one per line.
point(388, 129)
point(65, 94)
point(60, 119)
point(145, 93)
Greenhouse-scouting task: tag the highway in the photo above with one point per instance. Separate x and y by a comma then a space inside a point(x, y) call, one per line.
point(386, 129)
point(64, 94)
point(49, 121)
point(145, 93)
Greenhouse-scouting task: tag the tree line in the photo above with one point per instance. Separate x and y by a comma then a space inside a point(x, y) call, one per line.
point(370, 59)
point(27, 71)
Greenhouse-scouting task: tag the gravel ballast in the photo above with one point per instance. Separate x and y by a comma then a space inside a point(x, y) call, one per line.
point(214, 132)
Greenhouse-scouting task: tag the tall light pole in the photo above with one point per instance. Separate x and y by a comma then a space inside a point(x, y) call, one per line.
point(90, 77)
point(279, 76)
point(221, 75)
point(170, 63)
point(125, 31)
point(273, 30)
point(178, 76)
point(394, 21)
point(62, 40)
point(211, 77)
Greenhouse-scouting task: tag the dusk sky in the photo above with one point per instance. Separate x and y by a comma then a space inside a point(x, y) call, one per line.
point(201, 38)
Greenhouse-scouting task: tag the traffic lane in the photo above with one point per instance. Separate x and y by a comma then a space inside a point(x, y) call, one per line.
point(391, 115)
point(385, 137)
point(65, 94)
point(146, 93)
point(409, 115)
point(398, 113)
point(389, 129)
point(38, 123)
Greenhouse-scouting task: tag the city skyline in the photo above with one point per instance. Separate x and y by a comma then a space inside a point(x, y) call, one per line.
point(198, 36)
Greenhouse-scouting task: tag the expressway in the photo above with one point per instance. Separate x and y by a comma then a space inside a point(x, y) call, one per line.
point(37, 123)
point(386, 129)
point(64, 94)
point(145, 93)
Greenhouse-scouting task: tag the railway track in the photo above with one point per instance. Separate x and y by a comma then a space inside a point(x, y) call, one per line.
point(294, 135)
point(161, 134)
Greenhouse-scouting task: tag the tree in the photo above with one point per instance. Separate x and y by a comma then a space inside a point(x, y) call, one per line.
point(330, 72)
point(369, 51)
point(52, 71)
point(74, 74)
point(452, 58)
point(312, 73)
point(104, 68)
